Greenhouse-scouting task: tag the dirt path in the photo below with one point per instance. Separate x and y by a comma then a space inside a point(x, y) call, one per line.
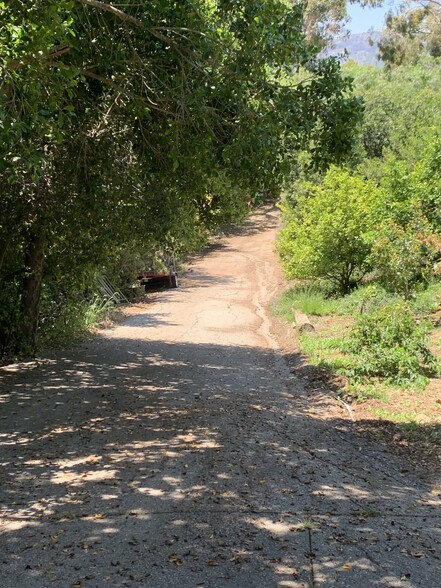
point(178, 450)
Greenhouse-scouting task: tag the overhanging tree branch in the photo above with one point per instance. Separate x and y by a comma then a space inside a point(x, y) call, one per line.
point(113, 10)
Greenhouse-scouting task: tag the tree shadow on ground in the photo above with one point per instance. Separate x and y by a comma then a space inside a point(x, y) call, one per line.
point(418, 442)
point(154, 464)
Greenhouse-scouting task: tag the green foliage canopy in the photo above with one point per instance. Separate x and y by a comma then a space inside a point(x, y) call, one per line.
point(402, 113)
point(328, 230)
point(126, 127)
point(411, 31)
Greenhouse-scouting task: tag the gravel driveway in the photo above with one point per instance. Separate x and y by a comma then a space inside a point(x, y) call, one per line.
point(177, 450)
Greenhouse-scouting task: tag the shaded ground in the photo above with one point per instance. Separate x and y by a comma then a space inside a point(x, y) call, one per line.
point(178, 449)
point(408, 421)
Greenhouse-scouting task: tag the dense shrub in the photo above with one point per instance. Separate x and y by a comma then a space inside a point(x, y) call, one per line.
point(366, 298)
point(388, 342)
point(71, 319)
point(402, 112)
point(402, 257)
point(328, 230)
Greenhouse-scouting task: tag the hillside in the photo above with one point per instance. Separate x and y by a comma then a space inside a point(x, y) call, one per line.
point(359, 47)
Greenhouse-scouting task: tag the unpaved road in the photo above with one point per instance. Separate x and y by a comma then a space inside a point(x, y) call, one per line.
point(178, 450)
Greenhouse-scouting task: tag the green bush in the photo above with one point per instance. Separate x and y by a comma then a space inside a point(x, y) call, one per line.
point(9, 317)
point(365, 299)
point(428, 180)
point(328, 230)
point(428, 300)
point(388, 342)
point(405, 240)
point(71, 319)
point(402, 257)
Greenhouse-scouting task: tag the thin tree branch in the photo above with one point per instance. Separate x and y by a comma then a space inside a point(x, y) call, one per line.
point(58, 51)
point(115, 11)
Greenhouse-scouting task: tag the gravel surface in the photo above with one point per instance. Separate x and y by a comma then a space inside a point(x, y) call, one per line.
point(178, 450)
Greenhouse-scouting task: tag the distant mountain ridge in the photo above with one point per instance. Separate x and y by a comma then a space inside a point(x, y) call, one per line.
point(358, 47)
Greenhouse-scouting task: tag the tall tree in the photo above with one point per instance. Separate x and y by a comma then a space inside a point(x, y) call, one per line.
point(411, 31)
point(123, 125)
point(326, 19)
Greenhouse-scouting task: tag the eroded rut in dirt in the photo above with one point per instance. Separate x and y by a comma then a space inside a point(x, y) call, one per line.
point(177, 449)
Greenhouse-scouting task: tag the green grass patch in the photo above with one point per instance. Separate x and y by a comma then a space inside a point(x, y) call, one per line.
point(364, 392)
point(310, 299)
point(388, 339)
point(396, 417)
point(324, 350)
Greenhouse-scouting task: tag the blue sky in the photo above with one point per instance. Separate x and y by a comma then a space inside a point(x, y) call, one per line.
point(363, 19)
